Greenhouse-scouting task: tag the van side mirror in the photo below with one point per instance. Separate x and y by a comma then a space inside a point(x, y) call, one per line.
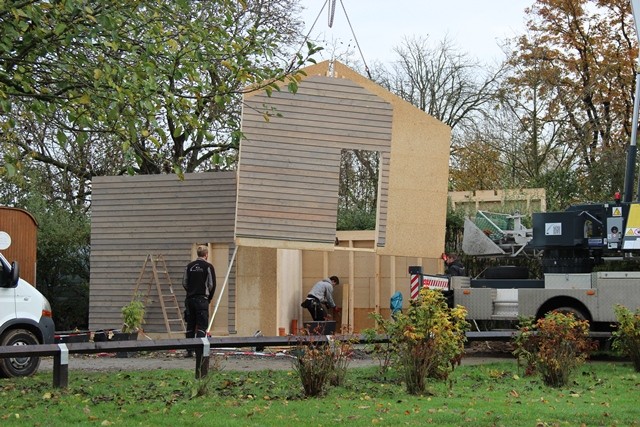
point(15, 274)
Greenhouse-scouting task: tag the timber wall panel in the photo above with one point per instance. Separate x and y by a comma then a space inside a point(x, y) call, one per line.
point(22, 228)
point(290, 165)
point(133, 216)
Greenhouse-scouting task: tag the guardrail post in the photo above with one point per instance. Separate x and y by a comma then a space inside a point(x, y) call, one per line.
point(202, 359)
point(61, 367)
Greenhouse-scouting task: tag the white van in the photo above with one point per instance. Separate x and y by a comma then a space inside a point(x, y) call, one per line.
point(25, 318)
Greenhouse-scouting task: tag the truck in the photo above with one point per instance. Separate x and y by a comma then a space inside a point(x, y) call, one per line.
point(25, 317)
point(577, 248)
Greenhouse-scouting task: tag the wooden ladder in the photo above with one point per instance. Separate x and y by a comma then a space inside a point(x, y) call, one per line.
point(154, 272)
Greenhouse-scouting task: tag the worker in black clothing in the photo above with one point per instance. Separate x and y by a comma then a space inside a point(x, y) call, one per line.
point(454, 266)
point(199, 280)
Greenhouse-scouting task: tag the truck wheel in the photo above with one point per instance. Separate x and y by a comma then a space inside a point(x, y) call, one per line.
point(19, 366)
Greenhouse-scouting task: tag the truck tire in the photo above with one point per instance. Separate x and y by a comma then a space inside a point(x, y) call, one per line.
point(18, 366)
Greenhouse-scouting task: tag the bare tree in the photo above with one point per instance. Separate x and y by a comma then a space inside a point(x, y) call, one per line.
point(443, 82)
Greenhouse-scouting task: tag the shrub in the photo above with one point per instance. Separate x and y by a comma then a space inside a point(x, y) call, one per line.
point(383, 352)
point(319, 363)
point(626, 338)
point(342, 350)
point(426, 340)
point(132, 315)
point(553, 346)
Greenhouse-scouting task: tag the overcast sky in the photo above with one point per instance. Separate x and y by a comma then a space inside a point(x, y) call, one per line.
point(474, 26)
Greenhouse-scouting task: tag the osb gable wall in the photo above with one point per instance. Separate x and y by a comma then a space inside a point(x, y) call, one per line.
point(22, 228)
point(418, 174)
point(288, 183)
point(338, 109)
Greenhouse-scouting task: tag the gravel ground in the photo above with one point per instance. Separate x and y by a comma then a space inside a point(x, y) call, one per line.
point(240, 360)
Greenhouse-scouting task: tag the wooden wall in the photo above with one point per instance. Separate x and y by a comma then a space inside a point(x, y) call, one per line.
point(363, 284)
point(287, 190)
point(418, 172)
point(133, 216)
point(290, 165)
point(524, 200)
point(23, 230)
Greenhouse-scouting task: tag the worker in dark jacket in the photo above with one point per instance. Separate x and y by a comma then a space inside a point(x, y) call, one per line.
point(454, 266)
point(199, 280)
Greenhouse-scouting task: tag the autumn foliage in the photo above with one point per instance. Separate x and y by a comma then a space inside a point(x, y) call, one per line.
point(626, 338)
point(319, 364)
point(427, 340)
point(573, 75)
point(553, 346)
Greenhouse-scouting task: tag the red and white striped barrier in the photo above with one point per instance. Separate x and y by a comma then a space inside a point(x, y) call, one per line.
point(418, 281)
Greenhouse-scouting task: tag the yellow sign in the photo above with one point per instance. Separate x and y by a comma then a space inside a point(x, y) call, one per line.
point(617, 211)
point(632, 228)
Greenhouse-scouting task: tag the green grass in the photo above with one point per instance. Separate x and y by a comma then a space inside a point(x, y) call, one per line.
point(600, 394)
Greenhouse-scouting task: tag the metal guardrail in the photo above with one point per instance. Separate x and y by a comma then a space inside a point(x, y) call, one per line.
point(202, 347)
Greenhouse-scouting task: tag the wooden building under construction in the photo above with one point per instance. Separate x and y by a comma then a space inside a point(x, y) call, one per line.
point(271, 225)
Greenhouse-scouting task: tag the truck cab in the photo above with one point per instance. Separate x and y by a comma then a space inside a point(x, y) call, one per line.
point(25, 319)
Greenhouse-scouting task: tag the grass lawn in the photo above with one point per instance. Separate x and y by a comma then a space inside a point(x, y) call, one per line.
point(600, 394)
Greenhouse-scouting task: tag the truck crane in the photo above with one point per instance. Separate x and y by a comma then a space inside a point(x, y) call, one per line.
point(571, 243)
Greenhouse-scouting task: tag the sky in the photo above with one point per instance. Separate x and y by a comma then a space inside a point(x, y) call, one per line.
point(474, 26)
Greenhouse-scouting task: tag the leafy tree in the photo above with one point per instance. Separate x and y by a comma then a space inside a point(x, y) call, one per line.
point(477, 167)
point(155, 84)
point(63, 265)
point(358, 191)
point(533, 132)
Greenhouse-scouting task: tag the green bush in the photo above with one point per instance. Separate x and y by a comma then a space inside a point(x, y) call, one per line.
point(626, 338)
point(553, 346)
point(427, 340)
point(132, 316)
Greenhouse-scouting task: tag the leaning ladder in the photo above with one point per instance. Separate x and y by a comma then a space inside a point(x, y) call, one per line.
point(154, 272)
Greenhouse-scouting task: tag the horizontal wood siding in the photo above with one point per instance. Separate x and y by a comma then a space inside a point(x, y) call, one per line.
point(132, 216)
point(383, 199)
point(290, 165)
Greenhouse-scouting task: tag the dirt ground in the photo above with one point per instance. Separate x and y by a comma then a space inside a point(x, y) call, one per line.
point(243, 359)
